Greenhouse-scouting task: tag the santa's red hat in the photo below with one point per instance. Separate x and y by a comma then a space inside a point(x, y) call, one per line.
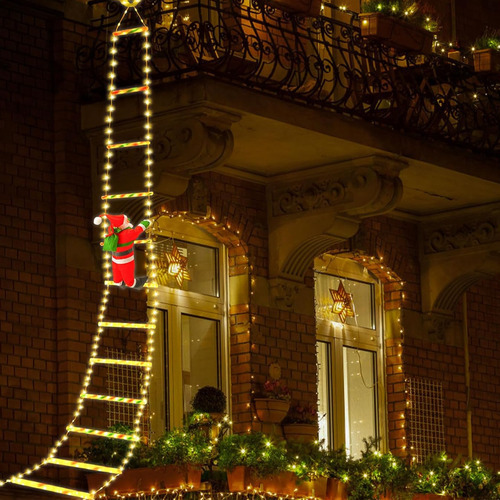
point(115, 221)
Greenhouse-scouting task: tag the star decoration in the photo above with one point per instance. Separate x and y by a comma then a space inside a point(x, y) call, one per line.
point(342, 303)
point(176, 266)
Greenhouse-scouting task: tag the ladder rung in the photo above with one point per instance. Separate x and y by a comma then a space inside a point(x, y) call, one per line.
point(131, 31)
point(52, 487)
point(83, 465)
point(146, 285)
point(99, 433)
point(139, 326)
point(121, 145)
point(127, 362)
point(114, 399)
point(130, 90)
point(126, 195)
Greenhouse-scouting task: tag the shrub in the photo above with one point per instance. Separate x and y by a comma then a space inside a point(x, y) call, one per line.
point(209, 399)
point(257, 451)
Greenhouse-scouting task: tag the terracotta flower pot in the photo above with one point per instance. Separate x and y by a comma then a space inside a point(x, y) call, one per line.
point(146, 478)
point(486, 60)
point(396, 32)
point(316, 488)
point(243, 479)
point(283, 483)
point(335, 489)
point(271, 410)
point(305, 433)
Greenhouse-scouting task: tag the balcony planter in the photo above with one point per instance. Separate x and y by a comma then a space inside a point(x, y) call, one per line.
point(396, 32)
point(308, 8)
point(242, 478)
point(335, 489)
point(305, 433)
point(486, 60)
point(271, 410)
point(315, 488)
point(146, 478)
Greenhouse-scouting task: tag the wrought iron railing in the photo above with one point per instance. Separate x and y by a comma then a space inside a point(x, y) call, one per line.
point(323, 62)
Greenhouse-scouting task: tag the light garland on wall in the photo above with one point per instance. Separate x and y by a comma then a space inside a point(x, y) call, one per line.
point(51, 459)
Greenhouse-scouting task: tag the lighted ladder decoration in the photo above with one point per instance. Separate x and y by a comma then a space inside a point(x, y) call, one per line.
point(103, 324)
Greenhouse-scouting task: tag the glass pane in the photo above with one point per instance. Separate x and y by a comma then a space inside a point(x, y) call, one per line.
point(362, 300)
point(200, 262)
point(324, 393)
point(200, 356)
point(360, 398)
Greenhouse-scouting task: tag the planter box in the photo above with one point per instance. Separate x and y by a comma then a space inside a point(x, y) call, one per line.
point(308, 8)
point(271, 410)
point(335, 489)
point(305, 433)
point(144, 479)
point(396, 33)
point(486, 60)
point(244, 479)
point(316, 488)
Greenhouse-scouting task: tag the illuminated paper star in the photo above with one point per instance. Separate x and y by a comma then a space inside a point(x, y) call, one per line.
point(342, 303)
point(177, 265)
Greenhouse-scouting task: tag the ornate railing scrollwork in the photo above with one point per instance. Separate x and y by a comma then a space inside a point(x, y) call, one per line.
point(321, 61)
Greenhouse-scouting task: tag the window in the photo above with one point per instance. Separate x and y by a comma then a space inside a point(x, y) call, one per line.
point(191, 344)
point(350, 362)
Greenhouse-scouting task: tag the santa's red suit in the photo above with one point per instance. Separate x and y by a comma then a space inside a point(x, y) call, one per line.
point(123, 259)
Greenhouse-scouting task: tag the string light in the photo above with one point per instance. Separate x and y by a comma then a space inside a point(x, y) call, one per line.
point(106, 187)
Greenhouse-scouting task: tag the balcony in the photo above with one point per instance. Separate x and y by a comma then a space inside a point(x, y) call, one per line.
point(322, 62)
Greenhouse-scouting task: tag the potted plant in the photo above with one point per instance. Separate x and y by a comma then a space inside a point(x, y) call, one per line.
point(209, 405)
point(255, 462)
point(378, 475)
point(274, 404)
point(486, 51)
point(472, 480)
point(210, 400)
point(401, 24)
point(173, 461)
point(110, 452)
point(338, 468)
point(430, 478)
point(311, 466)
point(301, 423)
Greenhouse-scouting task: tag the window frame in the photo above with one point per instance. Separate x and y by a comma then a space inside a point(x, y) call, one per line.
point(166, 402)
point(338, 335)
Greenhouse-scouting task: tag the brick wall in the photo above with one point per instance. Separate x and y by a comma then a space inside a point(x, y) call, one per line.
point(28, 341)
point(51, 283)
point(483, 312)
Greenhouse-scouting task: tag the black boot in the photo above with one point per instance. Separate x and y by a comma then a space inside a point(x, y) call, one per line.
point(139, 282)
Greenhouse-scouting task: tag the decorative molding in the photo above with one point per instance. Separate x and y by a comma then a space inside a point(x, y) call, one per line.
point(314, 210)
point(283, 293)
point(455, 236)
point(362, 189)
point(307, 196)
point(436, 326)
point(192, 144)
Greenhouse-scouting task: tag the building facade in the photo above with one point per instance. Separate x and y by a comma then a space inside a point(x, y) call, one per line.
point(280, 179)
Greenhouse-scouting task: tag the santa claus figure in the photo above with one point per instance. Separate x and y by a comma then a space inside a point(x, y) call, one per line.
point(120, 242)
